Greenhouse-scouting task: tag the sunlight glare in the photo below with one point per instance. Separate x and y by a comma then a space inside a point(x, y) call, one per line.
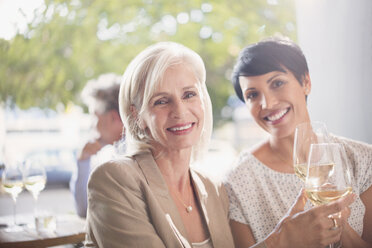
point(15, 15)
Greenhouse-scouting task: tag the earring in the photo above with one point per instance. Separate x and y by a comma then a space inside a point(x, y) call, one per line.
point(141, 133)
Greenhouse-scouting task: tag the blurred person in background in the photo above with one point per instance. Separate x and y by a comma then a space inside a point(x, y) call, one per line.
point(101, 97)
point(272, 78)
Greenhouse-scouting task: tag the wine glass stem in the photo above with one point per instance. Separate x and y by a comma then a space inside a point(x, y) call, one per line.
point(335, 245)
point(14, 211)
point(35, 205)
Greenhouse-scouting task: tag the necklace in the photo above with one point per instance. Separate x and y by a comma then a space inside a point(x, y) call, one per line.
point(189, 207)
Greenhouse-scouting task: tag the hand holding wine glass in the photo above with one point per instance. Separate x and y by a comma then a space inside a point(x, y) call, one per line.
point(328, 175)
point(34, 179)
point(12, 183)
point(307, 133)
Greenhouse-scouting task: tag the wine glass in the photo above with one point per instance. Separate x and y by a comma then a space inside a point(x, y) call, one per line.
point(307, 133)
point(34, 179)
point(12, 183)
point(328, 175)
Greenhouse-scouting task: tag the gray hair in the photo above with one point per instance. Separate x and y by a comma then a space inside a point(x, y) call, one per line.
point(140, 80)
point(102, 92)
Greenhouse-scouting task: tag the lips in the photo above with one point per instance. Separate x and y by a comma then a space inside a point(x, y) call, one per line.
point(180, 129)
point(277, 116)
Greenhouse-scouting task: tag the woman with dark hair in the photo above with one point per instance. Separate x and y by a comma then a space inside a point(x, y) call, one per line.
point(272, 78)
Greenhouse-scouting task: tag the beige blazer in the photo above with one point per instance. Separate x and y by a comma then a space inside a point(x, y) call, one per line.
point(129, 205)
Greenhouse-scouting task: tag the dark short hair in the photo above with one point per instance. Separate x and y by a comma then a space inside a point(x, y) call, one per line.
point(273, 54)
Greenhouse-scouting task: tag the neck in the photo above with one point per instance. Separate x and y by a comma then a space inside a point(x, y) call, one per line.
point(116, 133)
point(174, 166)
point(116, 137)
point(283, 148)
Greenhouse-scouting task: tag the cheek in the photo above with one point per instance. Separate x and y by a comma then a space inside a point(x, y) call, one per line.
point(154, 123)
point(201, 109)
point(253, 109)
point(147, 119)
point(300, 99)
point(200, 112)
point(156, 119)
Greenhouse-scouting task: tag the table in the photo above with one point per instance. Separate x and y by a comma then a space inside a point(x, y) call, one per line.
point(69, 230)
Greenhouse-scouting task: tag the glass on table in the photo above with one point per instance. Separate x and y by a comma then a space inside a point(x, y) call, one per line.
point(12, 183)
point(45, 222)
point(34, 179)
point(307, 133)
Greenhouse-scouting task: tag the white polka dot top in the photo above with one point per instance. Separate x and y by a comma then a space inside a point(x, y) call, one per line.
point(260, 196)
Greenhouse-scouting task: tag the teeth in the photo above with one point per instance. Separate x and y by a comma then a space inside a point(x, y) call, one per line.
point(277, 116)
point(180, 128)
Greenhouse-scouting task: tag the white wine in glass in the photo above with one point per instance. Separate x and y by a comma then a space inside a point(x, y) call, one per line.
point(326, 195)
point(34, 179)
point(328, 175)
point(12, 184)
point(13, 187)
point(306, 133)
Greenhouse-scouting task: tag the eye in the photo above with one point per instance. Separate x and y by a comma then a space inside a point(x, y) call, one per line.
point(189, 94)
point(251, 95)
point(278, 83)
point(161, 101)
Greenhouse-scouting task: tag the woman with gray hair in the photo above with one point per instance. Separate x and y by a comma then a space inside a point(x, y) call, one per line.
point(151, 197)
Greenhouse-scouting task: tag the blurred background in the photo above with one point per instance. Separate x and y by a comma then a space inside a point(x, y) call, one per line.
point(49, 49)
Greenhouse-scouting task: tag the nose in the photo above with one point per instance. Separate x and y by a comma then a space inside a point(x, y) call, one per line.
point(178, 109)
point(268, 100)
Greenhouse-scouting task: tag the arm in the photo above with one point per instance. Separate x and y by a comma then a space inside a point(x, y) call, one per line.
point(78, 186)
point(117, 211)
point(311, 228)
point(242, 234)
point(79, 181)
point(366, 198)
point(350, 238)
point(360, 155)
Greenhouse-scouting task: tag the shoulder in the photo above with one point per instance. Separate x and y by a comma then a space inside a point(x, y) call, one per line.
point(214, 189)
point(249, 156)
point(355, 149)
point(353, 144)
point(119, 165)
point(122, 171)
point(245, 162)
point(208, 185)
point(360, 157)
point(202, 180)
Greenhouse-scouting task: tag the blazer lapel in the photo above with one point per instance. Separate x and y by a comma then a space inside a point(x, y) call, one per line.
point(202, 193)
point(216, 231)
point(158, 186)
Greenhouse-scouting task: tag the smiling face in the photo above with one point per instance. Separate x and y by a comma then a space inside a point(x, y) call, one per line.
point(175, 115)
point(277, 101)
